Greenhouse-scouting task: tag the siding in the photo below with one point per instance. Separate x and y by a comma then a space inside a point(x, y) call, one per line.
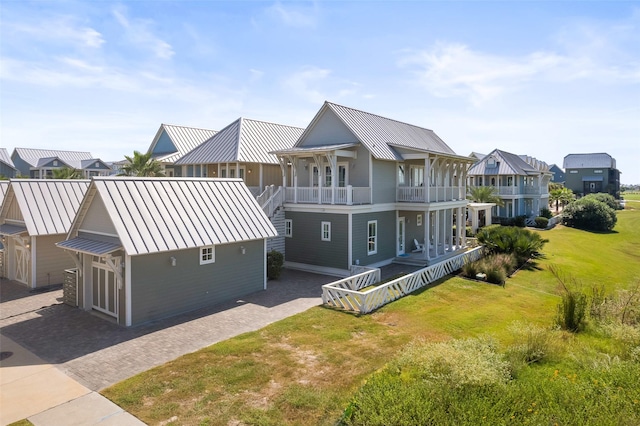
point(306, 246)
point(278, 243)
point(51, 261)
point(386, 237)
point(159, 290)
point(411, 229)
point(384, 181)
point(328, 128)
point(96, 218)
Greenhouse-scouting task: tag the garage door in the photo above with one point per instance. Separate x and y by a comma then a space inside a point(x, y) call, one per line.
point(22, 264)
point(105, 288)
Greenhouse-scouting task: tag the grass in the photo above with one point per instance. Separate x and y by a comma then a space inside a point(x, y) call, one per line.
point(306, 369)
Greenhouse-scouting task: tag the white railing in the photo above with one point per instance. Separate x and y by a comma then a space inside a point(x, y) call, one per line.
point(345, 294)
point(436, 194)
point(345, 195)
point(410, 193)
point(271, 199)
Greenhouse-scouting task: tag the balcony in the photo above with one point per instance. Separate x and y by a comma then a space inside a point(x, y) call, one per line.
point(343, 195)
point(519, 190)
point(418, 194)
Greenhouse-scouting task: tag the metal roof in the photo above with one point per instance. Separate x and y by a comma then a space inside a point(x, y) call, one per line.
point(89, 246)
point(153, 215)
point(184, 139)
point(6, 158)
point(33, 156)
point(380, 134)
point(589, 161)
point(4, 186)
point(9, 229)
point(48, 206)
point(244, 140)
point(316, 149)
point(507, 163)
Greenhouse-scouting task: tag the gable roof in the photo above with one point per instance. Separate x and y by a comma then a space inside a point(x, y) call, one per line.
point(588, 161)
point(381, 135)
point(48, 206)
point(183, 138)
point(508, 164)
point(6, 159)
point(153, 215)
point(244, 140)
point(4, 186)
point(38, 157)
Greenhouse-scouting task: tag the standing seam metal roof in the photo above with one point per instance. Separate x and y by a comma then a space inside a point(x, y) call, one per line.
point(6, 158)
point(510, 164)
point(589, 161)
point(244, 140)
point(163, 214)
point(33, 156)
point(184, 140)
point(378, 133)
point(48, 206)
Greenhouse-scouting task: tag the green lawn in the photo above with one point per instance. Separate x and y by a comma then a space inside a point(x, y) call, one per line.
point(306, 369)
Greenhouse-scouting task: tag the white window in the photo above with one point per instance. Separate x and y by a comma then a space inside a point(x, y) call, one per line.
point(288, 228)
point(419, 220)
point(597, 171)
point(326, 231)
point(207, 255)
point(372, 239)
point(401, 174)
point(573, 171)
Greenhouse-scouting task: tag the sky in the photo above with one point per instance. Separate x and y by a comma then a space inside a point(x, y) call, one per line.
point(541, 78)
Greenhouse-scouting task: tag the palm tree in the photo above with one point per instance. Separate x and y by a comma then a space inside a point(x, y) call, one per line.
point(560, 195)
point(67, 173)
point(484, 194)
point(141, 165)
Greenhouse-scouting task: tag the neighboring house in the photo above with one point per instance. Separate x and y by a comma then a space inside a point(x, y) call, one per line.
point(116, 166)
point(7, 169)
point(476, 156)
point(243, 150)
point(522, 182)
point(592, 173)
point(363, 188)
point(172, 142)
point(40, 163)
point(558, 174)
point(148, 248)
point(35, 214)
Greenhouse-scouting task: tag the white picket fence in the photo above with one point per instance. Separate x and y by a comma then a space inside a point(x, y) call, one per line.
point(345, 294)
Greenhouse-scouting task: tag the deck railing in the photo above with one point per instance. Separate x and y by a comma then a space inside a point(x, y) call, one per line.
point(271, 199)
point(344, 195)
point(345, 294)
point(418, 194)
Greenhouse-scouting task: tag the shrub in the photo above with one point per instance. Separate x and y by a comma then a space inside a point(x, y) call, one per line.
point(531, 343)
point(542, 222)
point(275, 260)
point(571, 314)
point(545, 212)
point(496, 274)
point(508, 239)
point(604, 198)
point(470, 270)
point(520, 221)
point(589, 214)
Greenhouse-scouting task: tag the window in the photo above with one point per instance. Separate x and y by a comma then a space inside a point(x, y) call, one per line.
point(207, 255)
point(419, 220)
point(510, 181)
point(288, 228)
point(573, 171)
point(326, 231)
point(401, 175)
point(479, 180)
point(372, 239)
point(597, 171)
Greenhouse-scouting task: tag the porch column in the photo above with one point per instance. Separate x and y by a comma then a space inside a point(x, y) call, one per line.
point(427, 179)
point(261, 182)
point(427, 234)
point(463, 211)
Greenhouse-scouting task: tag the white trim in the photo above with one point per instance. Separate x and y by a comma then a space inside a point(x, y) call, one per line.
point(325, 231)
point(419, 220)
point(265, 264)
point(375, 250)
point(288, 230)
point(91, 231)
point(127, 289)
point(212, 254)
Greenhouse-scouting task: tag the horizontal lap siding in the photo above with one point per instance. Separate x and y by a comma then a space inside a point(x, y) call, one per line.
point(159, 290)
point(384, 181)
point(386, 237)
point(306, 246)
point(51, 261)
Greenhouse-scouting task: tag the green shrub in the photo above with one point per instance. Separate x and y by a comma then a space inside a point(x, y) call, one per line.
point(520, 221)
point(470, 269)
point(541, 222)
point(589, 214)
point(531, 343)
point(509, 239)
point(604, 198)
point(572, 310)
point(275, 260)
point(545, 212)
point(496, 274)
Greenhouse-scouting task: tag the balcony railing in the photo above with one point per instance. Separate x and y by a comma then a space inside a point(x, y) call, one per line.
point(516, 190)
point(418, 194)
point(344, 195)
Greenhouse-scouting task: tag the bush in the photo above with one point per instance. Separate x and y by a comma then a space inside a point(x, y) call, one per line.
point(531, 343)
point(589, 214)
point(545, 212)
point(604, 198)
point(571, 314)
point(508, 239)
point(496, 267)
point(275, 260)
point(542, 222)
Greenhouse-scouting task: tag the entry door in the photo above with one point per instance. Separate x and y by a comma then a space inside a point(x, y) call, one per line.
point(105, 288)
point(401, 232)
point(22, 264)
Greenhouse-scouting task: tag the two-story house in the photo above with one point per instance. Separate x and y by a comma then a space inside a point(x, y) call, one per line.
point(7, 169)
point(362, 189)
point(40, 163)
point(522, 182)
point(592, 173)
point(172, 142)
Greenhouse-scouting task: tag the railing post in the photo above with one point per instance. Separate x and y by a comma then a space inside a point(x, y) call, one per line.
point(349, 195)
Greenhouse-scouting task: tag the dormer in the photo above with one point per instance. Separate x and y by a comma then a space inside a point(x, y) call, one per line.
point(491, 162)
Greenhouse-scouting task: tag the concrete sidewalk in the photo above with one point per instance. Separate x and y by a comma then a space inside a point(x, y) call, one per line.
point(31, 387)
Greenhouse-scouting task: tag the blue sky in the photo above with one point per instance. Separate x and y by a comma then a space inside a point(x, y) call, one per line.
point(541, 78)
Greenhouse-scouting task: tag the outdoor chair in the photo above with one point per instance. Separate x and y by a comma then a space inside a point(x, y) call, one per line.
point(419, 247)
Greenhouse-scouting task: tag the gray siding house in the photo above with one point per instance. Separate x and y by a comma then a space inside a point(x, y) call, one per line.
point(148, 248)
point(361, 189)
point(35, 214)
point(592, 173)
point(7, 169)
point(40, 163)
point(522, 182)
point(172, 142)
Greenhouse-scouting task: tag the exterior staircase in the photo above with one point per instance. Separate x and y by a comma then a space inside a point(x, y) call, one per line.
point(271, 200)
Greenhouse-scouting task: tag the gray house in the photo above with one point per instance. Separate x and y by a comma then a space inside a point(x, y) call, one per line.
point(558, 174)
point(364, 189)
point(40, 163)
point(7, 169)
point(147, 248)
point(35, 214)
point(172, 142)
point(592, 173)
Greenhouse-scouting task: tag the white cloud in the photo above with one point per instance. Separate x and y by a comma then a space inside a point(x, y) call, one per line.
point(58, 28)
point(306, 83)
point(294, 16)
point(139, 32)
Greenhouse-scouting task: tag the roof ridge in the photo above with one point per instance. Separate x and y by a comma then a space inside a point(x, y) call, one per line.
point(379, 116)
point(187, 127)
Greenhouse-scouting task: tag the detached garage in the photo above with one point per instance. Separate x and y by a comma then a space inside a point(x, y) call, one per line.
point(148, 248)
point(35, 214)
